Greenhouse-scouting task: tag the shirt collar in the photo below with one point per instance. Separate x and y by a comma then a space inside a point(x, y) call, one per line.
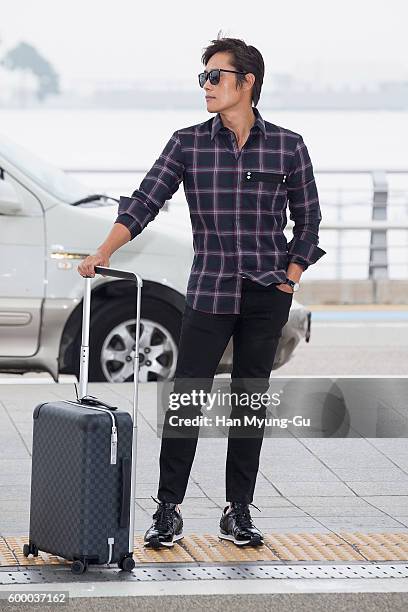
point(217, 123)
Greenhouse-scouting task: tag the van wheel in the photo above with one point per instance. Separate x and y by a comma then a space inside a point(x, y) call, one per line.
point(112, 341)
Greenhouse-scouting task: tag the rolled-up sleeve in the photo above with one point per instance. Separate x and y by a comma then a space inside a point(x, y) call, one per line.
point(160, 183)
point(304, 209)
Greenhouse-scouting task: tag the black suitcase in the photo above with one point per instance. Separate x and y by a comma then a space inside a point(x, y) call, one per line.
point(84, 468)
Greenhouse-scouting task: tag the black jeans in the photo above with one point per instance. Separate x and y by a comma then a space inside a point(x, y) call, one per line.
point(204, 336)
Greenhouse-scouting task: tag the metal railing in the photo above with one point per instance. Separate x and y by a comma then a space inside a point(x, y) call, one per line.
point(378, 205)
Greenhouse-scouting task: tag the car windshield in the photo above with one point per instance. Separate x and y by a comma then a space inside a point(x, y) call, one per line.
point(49, 177)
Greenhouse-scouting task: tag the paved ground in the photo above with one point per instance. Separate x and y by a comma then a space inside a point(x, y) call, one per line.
point(354, 340)
point(303, 484)
point(368, 339)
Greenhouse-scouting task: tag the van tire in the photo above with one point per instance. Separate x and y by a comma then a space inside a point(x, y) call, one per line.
point(112, 315)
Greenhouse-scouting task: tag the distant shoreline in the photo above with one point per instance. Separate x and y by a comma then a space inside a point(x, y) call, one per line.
point(392, 98)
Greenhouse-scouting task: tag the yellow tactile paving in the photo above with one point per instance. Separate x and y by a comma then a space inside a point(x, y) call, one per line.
point(14, 546)
point(175, 554)
point(208, 548)
point(6, 556)
point(358, 538)
point(311, 547)
point(379, 546)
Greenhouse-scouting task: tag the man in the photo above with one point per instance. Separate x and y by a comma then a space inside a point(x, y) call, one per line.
point(239, 172)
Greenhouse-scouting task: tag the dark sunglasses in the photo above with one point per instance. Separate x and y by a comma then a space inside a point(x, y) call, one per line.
point(214, 76)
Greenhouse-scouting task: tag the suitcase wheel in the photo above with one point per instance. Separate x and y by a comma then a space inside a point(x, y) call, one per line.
point(126, 564)
point(30, 549)
point(78, 567)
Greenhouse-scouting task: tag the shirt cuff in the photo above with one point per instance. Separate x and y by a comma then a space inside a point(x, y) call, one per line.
point(304, 252)
point(128, 221)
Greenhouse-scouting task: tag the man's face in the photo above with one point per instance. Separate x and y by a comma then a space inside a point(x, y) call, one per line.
point(224, 95)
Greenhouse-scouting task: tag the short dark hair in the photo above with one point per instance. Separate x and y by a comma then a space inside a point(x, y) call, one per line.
point(245, 58)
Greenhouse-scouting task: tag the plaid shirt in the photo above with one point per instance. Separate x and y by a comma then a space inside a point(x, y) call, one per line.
point(237, 201)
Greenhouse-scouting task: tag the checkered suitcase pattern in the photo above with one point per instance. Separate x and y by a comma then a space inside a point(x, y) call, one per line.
point(84, 467)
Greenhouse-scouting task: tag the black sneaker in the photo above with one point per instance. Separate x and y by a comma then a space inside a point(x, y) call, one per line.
point(167, 526)
point(238, 527)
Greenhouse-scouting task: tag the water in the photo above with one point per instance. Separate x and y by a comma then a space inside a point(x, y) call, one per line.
point(123, 138)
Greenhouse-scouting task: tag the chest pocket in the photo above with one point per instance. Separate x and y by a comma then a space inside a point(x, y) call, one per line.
point(253, 177)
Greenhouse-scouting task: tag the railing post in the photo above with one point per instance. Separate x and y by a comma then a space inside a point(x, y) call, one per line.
point(378, 264)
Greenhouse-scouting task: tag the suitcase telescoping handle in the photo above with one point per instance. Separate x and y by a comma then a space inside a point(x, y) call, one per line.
point(86, 313)
point(83, 375)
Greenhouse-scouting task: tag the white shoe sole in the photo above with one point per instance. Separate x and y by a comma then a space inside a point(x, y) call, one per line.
point(231, 538)
point(168, 544)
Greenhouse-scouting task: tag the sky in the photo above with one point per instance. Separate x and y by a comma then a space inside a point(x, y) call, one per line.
point(160, 43)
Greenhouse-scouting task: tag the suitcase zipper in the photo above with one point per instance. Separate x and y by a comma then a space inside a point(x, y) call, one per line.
point(114, 432)
point(114, 445)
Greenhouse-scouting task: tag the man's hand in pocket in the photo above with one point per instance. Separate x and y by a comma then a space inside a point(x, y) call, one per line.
point(284, 287)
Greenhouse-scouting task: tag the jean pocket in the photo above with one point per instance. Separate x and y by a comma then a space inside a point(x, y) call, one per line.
point(275, 286)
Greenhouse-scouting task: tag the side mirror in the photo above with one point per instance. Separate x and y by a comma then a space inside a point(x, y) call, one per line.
point(9, 199)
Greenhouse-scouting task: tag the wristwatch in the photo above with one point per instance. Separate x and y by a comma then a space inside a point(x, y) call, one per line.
point(288, 281)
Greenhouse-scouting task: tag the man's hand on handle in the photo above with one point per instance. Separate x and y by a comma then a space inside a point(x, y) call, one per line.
point(87, 266)
point(118, 236)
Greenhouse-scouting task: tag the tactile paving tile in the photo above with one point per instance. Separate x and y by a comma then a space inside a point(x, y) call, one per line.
point(344, 546)
point(14, 545)
point(210, 548)
point(173, 554)
point(311, 547)
point(11, 553)
point(6, 556)
point(379, 546)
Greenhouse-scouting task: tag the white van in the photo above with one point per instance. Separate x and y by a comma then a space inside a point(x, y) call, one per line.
point(44, 233)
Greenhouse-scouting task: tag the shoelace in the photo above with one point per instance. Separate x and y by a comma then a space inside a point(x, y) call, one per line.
point(243, 516)
point(163, 514)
